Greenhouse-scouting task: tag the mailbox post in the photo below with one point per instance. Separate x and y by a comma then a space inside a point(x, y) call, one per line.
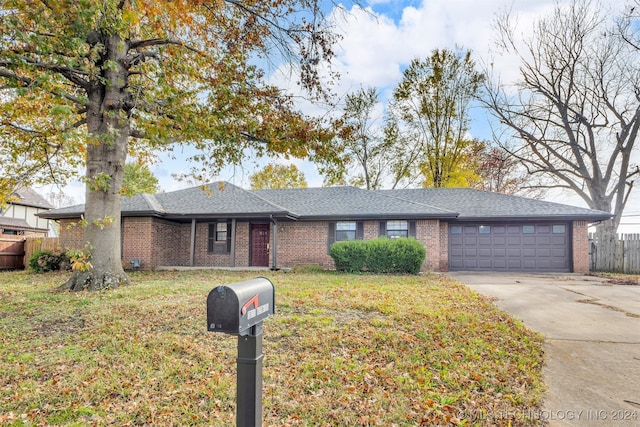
point(239, 309)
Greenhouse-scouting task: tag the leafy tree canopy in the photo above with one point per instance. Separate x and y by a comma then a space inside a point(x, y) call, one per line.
point(138, 179)
point(278, 176)
point(86, 83)
point(429, 117)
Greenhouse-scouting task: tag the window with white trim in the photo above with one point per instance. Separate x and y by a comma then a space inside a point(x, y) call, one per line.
point(397, 229)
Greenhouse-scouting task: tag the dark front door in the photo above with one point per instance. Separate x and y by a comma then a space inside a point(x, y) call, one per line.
point(260, 245)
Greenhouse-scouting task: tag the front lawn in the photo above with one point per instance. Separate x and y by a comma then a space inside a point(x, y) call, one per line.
point(341, 350)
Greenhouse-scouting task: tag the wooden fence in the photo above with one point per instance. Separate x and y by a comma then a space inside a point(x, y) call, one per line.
point(16, 251)
point(32, 244)
point(621, 255)
point(11, 253)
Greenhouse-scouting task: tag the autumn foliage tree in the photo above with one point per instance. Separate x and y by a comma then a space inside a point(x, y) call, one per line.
point(138, 179)
point(276, 175)
point(86, 83)
point(429, 115)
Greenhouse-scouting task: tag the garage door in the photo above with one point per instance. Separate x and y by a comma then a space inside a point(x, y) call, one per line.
point(509, 247)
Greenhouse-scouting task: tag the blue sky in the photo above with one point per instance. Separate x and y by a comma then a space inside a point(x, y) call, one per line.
point(378, 44)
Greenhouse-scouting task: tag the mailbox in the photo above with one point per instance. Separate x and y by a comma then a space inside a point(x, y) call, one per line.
point(235, 308)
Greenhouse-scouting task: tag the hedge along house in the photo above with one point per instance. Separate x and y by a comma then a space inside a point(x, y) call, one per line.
point(222, 225)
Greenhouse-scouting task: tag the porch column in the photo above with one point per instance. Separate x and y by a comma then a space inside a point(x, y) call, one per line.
point(192, 246)
point(232, 249)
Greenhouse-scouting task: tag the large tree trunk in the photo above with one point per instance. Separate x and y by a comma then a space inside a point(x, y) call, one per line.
point(108, 124)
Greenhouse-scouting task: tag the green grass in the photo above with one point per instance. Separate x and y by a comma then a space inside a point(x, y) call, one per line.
point(341, 350)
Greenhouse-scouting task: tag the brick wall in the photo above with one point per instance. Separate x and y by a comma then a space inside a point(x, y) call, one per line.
point(580, 245)
point(137, 241)
point(428, 232)
point(304, 243)
point(242, 244)
point(71, 234)
point(444, 246)
point(157, 242)
point(171, 243)
point(203, 258)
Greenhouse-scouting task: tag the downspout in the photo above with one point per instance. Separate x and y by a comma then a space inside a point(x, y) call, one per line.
point(274, 263)
point(192, 255)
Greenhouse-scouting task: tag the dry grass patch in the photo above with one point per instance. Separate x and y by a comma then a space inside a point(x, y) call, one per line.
point(340, 350)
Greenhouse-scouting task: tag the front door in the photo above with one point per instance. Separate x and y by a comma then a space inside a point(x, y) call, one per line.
point(260, 245)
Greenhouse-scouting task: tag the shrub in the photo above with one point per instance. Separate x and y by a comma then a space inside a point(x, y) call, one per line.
point(349, 256)
point(408, 255)
point(379, 255)
point(45, 260)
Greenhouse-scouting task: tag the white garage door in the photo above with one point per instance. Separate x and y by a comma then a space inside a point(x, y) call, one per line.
point(543, 247)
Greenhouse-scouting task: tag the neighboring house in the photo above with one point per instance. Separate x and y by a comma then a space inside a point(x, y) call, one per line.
point(462, 229)
point(20, 216)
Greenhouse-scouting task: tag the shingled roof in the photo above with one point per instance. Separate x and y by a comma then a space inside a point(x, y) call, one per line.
point(29, 197)
point(477, 205)
point(224, 200)
point(349, 202)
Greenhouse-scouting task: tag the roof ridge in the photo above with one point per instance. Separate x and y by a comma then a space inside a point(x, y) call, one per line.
point(275, 205)
point(153, 202)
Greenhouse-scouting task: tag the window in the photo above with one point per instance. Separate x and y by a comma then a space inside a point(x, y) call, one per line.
point(558, 229)
point(345, 230)
point(397, 229)
point(456, 229)
point(219, 241)
point(528, 229)
point(484, 229)
point(221, 232)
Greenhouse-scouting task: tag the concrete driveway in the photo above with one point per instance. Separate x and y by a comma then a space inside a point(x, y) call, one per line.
point(592, 348)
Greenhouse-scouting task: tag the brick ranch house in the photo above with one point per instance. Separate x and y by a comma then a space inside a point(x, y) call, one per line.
point(222, 225)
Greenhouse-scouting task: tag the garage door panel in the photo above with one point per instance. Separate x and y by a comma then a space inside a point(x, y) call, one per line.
point(485, 240)
point(513, 240)
point(485, 252)
point(558, 240)
point(515, 264)
point(500, 264)
point(510, 247)
point(543, 252)
point(558, 252)
point(485, 264)
point(543, 240)
point(456, 252)
point(514, 252)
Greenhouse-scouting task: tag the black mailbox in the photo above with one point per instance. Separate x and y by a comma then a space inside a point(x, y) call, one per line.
point(235, 308)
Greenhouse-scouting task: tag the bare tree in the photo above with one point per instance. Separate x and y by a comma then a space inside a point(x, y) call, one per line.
point(575, 106)
point(364, 150)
